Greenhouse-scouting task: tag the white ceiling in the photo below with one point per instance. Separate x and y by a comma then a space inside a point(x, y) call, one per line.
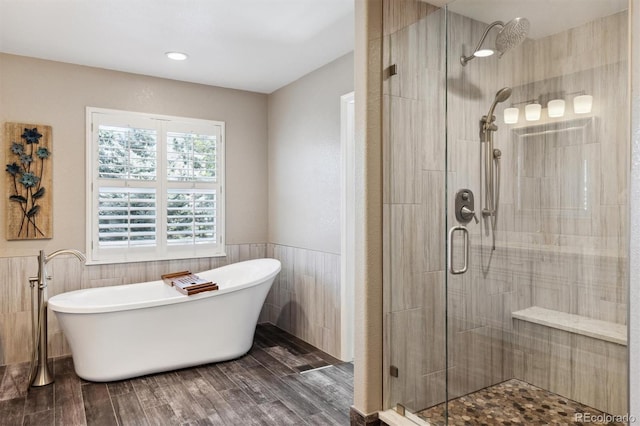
point(256, 45)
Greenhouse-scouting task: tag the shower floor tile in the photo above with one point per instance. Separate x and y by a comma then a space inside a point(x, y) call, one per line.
point(514, 402)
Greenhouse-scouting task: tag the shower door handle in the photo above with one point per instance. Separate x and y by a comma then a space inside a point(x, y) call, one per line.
point(465, 234)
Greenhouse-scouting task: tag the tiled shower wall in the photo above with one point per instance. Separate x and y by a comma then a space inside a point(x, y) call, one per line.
point(304, 299)
point(561, 238)
point(549, 253)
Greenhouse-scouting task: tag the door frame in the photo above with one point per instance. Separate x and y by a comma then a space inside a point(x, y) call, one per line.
point(347, 225)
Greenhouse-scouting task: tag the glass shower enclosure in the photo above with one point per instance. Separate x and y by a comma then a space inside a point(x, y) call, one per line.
point(505, 210)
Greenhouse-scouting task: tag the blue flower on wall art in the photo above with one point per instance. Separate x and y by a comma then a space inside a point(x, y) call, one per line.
point(29, 210)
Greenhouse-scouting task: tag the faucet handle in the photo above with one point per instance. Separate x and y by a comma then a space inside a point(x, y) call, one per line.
point(467, 213)
point(34, 280)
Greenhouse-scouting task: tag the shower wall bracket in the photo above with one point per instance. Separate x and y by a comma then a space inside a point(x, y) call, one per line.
point(390, 71)
point(393, 371)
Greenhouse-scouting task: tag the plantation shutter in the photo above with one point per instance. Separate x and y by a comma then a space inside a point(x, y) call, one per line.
point(156, 188)
point(126, 216)
point(127, 209)
point(192, 184)
point(191, 216)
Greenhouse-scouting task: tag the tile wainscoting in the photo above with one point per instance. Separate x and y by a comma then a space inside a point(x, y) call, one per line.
point(304, 300)
point(67, 275)
point(305, 297)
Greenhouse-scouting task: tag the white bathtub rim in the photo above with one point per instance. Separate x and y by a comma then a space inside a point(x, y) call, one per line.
point(67, 303)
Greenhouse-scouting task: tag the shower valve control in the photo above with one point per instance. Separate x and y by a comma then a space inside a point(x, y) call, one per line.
point(465, 210)
point(468, 214)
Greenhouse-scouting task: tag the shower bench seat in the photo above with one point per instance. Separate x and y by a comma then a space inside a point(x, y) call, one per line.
point(597, 329)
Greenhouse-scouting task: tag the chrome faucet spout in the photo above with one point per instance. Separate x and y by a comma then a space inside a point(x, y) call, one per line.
point(81, 257)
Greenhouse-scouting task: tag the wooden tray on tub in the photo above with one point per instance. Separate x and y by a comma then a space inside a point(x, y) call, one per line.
point(187, 283)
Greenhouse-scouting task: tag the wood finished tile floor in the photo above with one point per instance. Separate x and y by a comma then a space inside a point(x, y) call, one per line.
point(513, 402)
point(279, 382)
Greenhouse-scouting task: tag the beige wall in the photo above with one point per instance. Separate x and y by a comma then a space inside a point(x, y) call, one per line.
point(367, 389)
point(304, 204)
point(56, 94)
point(304, 158)
point(634, 226)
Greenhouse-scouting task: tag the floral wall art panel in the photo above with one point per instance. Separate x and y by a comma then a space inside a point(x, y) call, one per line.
point(28, 181)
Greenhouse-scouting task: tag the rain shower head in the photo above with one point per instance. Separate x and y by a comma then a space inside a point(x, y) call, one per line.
point(501, 96)
point(510, 35)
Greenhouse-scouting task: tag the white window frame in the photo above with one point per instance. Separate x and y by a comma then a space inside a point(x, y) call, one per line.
point(161, 250)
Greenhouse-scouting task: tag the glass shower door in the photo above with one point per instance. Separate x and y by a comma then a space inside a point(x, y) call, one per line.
point(414, 176)
point(537, 132)
point(532, 325)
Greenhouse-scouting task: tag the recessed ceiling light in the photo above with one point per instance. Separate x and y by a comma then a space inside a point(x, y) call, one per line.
point(176, 56)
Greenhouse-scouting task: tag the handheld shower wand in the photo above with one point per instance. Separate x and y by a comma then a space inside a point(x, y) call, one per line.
point(501, 96)
point(491, 157)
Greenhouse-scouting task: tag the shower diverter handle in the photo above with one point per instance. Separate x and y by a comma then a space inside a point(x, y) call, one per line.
point(468, 214)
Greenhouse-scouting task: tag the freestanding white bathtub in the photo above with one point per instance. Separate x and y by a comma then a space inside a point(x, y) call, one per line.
point(132, 330)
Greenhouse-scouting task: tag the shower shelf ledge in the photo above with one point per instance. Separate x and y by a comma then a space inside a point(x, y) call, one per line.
point(578, 324)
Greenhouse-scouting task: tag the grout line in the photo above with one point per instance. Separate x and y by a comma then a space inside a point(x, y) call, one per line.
point(113, 408)
point(135, 393)
point(24, 410)
point(316, 369)
point(53, 396)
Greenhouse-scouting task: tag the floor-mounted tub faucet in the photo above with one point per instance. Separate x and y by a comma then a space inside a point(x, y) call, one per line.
point(40, 374)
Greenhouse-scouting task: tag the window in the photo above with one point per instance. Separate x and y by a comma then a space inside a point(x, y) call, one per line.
point(157, 187)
